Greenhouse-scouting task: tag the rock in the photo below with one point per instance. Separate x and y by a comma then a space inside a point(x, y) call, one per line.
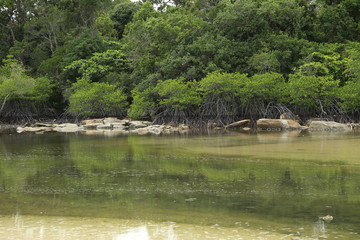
point(270, 124)
point(277, 124)
point(326, 218)
point(111, 120)
point(38, 124)
point(92, 121)
point(104, 126)
point(292, 124)
point(32, 129)
point(328, 126)
point(354, 126)
point(142, 131)
point(238, 124)
point(20, 129)
point(139, 124)
point(119, 126)
point(155, 129)
point(67, 127)
point(246, 129)
point(183, 127)
point(47, 129)
point(91, 126)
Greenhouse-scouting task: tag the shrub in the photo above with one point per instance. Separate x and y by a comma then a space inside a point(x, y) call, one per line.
point(312, 94)
point(178, 94)
point(97, 99)
point(143, 105)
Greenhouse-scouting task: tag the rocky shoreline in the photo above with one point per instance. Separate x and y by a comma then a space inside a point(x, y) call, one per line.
point(105, 126)
point(114, 126)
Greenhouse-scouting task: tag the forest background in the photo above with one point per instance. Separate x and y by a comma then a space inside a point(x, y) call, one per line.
point(181, 61)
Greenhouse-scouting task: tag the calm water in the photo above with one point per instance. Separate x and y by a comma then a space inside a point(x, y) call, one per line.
point(206, 186)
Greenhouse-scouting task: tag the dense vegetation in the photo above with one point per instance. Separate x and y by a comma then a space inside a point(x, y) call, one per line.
point(196, 62)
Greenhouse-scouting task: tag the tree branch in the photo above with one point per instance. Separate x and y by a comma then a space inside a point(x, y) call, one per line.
point(3, 104)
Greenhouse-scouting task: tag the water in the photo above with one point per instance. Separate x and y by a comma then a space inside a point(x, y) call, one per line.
point(205, 186)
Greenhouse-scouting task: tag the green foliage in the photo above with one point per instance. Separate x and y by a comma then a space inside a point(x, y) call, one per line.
point(222, 93)
point(264, 62)
point(14, 81)
point(267, 88)
point(283, 16)
point(350, 96)
point(105, 25)
point(53, 66)
point(335, 25)
point(191, 54)
point(178, 94)
point(241, 20)
point(99, 64)
point(84, 46)
point(17, 88)
point(353, 62)
point(15, 84)
point(223, 86)
point(96, 99)
point(122, 14)
point(326, 60)
point(143, 105)
point(311, 93)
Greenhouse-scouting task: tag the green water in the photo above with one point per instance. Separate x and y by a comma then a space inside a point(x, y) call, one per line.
point(203, 186)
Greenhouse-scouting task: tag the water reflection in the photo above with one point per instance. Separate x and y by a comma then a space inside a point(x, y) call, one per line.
point(255, 183)
point(23, 227)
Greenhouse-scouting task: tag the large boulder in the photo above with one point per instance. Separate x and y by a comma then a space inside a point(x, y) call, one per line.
point(277, 124)
point(327, 126)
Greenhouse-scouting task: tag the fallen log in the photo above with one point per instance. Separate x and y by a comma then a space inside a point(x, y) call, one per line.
point(238, 124)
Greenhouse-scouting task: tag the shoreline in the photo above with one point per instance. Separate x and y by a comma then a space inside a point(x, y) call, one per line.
point(115, 126)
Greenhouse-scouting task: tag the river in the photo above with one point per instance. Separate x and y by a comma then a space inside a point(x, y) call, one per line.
point(233, 185)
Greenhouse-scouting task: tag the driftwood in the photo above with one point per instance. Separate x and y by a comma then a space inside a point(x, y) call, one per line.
point(238, 124)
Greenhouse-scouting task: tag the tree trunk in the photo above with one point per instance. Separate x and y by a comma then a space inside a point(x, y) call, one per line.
point(3, 104)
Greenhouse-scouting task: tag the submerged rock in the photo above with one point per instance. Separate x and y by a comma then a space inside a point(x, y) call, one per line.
point(327, 218)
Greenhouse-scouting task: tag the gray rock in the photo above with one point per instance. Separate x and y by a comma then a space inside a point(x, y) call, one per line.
point(92, 121)
point(118, 126)
point(91, 126)
point(111, 120)
point(139, 124)
point(328, 126)
point(104, 126)
point(141, 131)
